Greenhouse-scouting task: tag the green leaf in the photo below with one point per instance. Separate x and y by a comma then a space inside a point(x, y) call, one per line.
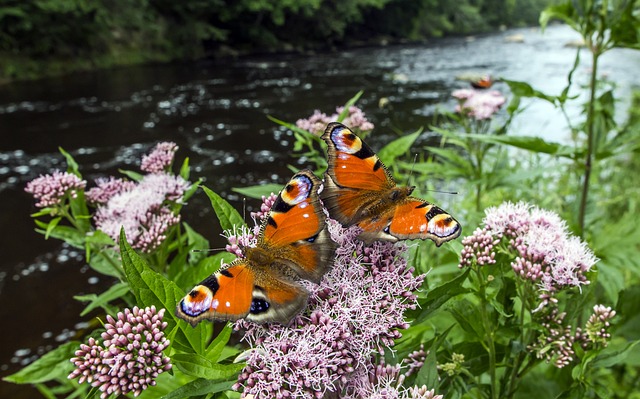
point(397, 147)
point(201, 367)
point(294, 128)
point(259, 191)
point(196, 243)
point(72, 165)
point(80, 212)
point(107, 262)
point(227, 215)
point(533, 144)
point(522, 89)
point(152, 288)
point(191, 190)
point(135, 176)
point(563, 11)
point(192, 275)
point(351, 102)
point(428, 373)
point(466, 314)
point(438, 296)
point(199, 387)
point(55, 364)
point(217, 345)
point(68, 234)
point(51, 226)
point(102, 300)
point(185, 171)
point(614, 354)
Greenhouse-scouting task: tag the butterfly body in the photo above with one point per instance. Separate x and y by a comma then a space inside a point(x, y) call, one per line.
point(359, 190)
point(293, 244)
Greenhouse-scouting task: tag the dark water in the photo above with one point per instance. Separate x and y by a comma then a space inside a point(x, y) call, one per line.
point(216, 112)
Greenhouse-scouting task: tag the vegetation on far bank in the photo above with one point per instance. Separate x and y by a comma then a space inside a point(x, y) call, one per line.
point(53, 37)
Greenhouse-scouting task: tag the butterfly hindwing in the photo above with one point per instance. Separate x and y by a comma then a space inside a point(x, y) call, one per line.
point(359, 190)
point(293, 243)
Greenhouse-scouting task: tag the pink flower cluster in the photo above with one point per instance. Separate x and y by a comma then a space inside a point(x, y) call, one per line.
point(130, 357)
point(546, 253)
point(317, 122)
point(556, 341)
point(50, 190)
point(385, 382)
point(107, 188)
point(478, 104)
point(355, 313)
point(143, 210)
point(160, 159)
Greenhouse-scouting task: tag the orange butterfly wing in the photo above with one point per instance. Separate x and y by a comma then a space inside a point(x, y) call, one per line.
point(293, 241)
point(360, 191)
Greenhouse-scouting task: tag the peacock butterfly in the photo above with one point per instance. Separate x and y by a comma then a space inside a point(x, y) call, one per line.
point(262, 287)
point(359, 190)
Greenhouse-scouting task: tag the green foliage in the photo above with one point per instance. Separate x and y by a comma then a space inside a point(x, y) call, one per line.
point(49, 37)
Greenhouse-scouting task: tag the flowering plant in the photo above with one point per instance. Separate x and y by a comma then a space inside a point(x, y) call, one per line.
point(111, 221)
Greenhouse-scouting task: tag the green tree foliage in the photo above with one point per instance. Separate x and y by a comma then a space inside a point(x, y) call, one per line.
point(84, 34)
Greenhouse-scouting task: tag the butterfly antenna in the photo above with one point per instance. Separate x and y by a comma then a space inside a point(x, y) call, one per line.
point(206, 250)
point(413, 164)
point(244, 210)
point(415, 158)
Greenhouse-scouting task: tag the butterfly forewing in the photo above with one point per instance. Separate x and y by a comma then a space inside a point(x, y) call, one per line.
point(352, 163)
point(360, 191)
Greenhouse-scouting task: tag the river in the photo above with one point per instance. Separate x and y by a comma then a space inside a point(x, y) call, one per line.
point(216, 111)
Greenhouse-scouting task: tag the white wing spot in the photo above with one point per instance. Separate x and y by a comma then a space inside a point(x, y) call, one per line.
point(305, 215)
point(423, 228)
point(214, 304)
point(228, 304)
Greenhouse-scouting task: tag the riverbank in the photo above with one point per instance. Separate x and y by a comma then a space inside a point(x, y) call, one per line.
point(45, 39)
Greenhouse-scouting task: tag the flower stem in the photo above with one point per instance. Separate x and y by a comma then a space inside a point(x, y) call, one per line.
point(489, 341)
point(590, 138)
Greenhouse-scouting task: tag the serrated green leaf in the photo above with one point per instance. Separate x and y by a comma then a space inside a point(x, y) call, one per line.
point(54, 364)
point(227, 215)
point(192, 275)
point(199, 387)
point(397, 147)
point(258, 191)
point(199, 366)
point(102, 300)
point(152, 288)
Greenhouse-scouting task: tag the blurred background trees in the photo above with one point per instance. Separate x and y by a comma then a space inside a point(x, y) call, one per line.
point(48, 37)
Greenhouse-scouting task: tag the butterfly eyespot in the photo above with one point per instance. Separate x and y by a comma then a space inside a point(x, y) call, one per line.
point(259, 306)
